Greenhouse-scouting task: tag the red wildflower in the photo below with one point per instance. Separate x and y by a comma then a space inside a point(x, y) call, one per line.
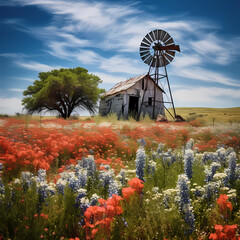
point(136, 184)
point(127, 192)
point(223, 203)
point(230, 230)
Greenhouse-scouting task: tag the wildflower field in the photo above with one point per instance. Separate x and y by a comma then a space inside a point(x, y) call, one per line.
point(72, 179)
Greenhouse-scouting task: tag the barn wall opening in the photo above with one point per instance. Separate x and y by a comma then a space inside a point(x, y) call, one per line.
point(133, 106)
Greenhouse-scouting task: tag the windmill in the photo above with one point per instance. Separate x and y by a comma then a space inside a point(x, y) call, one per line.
point(157, 49)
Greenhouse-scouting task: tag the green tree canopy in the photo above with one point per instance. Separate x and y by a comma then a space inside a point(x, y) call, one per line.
point(63, 91)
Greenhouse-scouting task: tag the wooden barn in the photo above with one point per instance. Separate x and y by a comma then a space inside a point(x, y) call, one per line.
point(133, 97)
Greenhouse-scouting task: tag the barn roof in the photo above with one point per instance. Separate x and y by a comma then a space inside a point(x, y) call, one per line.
point(122, 86)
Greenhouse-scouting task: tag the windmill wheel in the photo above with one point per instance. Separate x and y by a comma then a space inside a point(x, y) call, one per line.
point(157, 48)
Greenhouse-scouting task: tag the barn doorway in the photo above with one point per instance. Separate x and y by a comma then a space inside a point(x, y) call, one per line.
point(133, 106)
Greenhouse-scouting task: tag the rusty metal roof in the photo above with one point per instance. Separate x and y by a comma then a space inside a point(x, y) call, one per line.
point(122, 86)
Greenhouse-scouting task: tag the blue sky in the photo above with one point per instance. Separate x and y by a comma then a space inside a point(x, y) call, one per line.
point(104, 37)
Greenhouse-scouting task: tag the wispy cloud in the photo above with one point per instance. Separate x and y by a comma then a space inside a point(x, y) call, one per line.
point(24, 79)
point(20, 60)
point(205, 75)
point(15, 90)
point(215, 49)
point(206, 96)
point(109, 78)
point(36, 66)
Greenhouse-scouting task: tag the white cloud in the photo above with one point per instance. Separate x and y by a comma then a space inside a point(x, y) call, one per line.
point(182, 61)
point(25, 79)
point(15, 90)
point(85, 15)
point(120, 64)
point(36, 66)
point(215, 49)
point(206, 96)
point(10, 105)
point(202, 74)
point(108, 78)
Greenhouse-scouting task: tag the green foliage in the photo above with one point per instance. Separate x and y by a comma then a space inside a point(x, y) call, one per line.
point(63, 91)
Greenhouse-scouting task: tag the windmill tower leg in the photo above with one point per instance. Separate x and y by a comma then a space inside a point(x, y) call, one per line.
point(169, 88)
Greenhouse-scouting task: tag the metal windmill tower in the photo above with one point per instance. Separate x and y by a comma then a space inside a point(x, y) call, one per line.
point(157, 49)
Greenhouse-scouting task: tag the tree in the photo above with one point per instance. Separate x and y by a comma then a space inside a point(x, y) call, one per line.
point(63, 91)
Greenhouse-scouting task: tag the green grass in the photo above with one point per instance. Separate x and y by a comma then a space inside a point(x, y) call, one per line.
point(209, 115)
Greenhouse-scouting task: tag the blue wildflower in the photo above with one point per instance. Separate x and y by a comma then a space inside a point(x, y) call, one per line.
point(41, 175)
point(185, 203)
point(113, 188)
point(232, 166)
point(188, 163)
point(106, 177)
point(211, 171)
point(140, 163)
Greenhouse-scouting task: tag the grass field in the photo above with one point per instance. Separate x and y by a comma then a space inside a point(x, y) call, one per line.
point(206, 116)
point(209, 115)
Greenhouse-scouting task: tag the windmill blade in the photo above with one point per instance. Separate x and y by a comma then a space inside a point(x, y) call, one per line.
point(166, 36)
point(156, 33)
point(144, 49)
point(146, 42)
point(149, 60)
point(149, 38)
point(167, 57)
point(152, 36)
point(144, 53)
point(169, 41)
point(161, 34)
point(146, 56)
point(171, 53)
point(144, 45)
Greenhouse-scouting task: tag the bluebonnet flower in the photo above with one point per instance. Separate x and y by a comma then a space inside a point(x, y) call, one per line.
point(151, 167)
point(185, 203)
point(199, 191)
point(94, 199)
point(79, 180)
point(1, 166)
point(237, 172)
point(106, 177)
point(113, 188)
point(168, 196)
point(84, 204)
point(2, 187)
point(232, 166)
point(88, 164)
point(229, 150)
point(81, 194)
point(51, 189)
point(209, 156)
point(42, 191)
point(188, 163)
point(221, 155)
point(211, 171)
point(41, 175)
point(140, 163)
point(122, 176)
point(60, 185)
point(26, 180)
point(142, 142)
point(82, 178)
point(211, 190)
